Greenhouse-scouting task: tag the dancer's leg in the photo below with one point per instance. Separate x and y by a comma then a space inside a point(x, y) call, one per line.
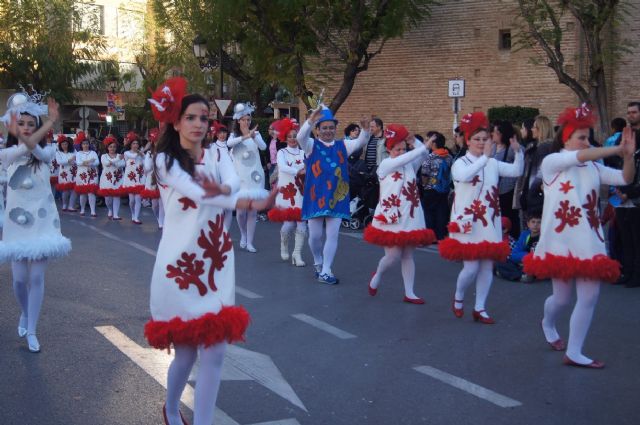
point(37, 270)
point(65, 199)
point(177, 379)
point(92, 203)
point(108, 201)
point(391, 255)
point(83, 202)
point(241, 218)
point(587, 292)
point(553, 306)
point(408, 269)
point(252, 216)
point(483, 284)
point(137, 205)
point(72, 199)
point(315, 239)
point(208, 383)
point(20, 273)
point(330, 243)
point(116, 207)
point(467, 275)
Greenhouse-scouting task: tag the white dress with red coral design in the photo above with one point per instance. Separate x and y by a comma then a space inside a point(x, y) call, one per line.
point(150, 190)
point(87, 175)
point(572, 241)
point(193, 281)
point(111, 178)
point(133, 173)
point(398, 219)
point(475, 227)
point(290, 185)
point(54, 167)
point(66, 172)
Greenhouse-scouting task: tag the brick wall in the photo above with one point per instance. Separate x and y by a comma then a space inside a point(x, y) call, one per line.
point(407, 82)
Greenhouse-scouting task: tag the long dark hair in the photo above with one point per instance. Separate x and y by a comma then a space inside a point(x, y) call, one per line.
point(528, 125)
point(69, 143)
point(13, 141)
point(236, 126)
point(557, 145)
point(169, 140)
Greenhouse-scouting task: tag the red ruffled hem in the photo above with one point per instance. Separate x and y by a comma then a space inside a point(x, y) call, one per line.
point(285, 214)
point(454, 250)
point(112, 192)
point(133, 189)
point(86, 188)
point(63, 187)
point(228, 325)
point(150, 194)
point(381, 237)
point(600, 267)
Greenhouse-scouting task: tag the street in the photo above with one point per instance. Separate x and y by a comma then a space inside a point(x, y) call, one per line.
point(314, 354)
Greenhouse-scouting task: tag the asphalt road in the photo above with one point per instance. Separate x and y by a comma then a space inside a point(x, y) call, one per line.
point(314, 354)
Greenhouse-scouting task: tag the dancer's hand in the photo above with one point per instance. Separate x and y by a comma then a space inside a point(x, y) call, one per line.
point(627, 143)
point(302, 171)
point(315, 115)
point(488, 147)
point(364, 123)
point(515, 145)
point(266, 203)
point(210, 187)
point(54, 109)
point(411, 141)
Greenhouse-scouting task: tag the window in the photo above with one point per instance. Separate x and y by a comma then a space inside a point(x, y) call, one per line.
point(504, 40)
point(476, 72)
point(90, 17)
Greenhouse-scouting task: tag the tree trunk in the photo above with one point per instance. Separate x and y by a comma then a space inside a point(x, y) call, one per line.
point(599, 99)
point(348, 81)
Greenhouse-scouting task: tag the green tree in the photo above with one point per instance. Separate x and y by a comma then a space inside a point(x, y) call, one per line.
point(47, 43)
point(544, 27)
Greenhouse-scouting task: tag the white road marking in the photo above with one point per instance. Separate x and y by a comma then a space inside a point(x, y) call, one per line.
point(432, 249)
point(470, 387)
point(239, 290)
point(323, 326)
point(239, 365)
point(283, 422)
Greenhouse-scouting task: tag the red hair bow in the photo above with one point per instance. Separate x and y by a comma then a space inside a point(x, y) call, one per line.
point(61, 138)
point(394, 134)
point(572, 119)
point(283, 127)
point(154, 134)
point(108, 140)
point(80, 137)
point(473, 122)
point(166, 101)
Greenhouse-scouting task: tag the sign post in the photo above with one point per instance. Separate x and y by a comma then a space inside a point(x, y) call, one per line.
point(456, 91)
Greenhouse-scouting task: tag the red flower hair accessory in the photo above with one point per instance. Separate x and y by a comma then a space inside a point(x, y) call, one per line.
point(108, 140)
point(218, 126)
point(50, 134)
point(572, 119)
point(166, 101)
point(61, 138)
point(154, 134)
point(394, 134)
point(131, 136)
point(80, 137)
point(473, 122)
point(283, 127)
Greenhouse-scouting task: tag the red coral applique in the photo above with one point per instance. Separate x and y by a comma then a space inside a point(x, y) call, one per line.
point(392, 201)
point(93, 174)
point(63, 175)
point(83, 177)
point(187, 271)
point(117, 176)
point(109, 176)
point(74, 171)
point(299, 181)
point(478, 210)
point(132, 176)
point(216, 243)
point(592, 213)
point(466, 227)
point(475, 180)
point(568, 215)
point(396, 176)
point(493, 197)
point(566, 186)
point(187, 203)
point(140, 171)
point(289, 193)
point(412, 194)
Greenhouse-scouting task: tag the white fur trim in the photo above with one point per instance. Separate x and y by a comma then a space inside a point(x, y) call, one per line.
point(252, 194)
point(34, 249)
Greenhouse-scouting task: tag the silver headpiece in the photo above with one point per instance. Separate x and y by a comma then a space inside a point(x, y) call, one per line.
point(242, 109)
point(25, 102)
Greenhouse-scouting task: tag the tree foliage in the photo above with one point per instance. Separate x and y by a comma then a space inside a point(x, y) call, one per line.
point(42, 43)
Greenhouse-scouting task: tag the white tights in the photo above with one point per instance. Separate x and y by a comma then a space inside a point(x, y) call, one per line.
point(158, 211)
point(228, 216)
point(66, 202)
point(207, 381)
point(247, 223)
point(28, 288)
point(587, 292)
point(135, 202)
point(289, 226)
point(407, 266)
point(92, 202)
point(113, 205)
point(324, 255)
point(480, 271)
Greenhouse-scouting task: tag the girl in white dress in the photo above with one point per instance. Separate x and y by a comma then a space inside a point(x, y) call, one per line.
point(87, 177)
point(150, 190)
point(133, 182)
point(67, 171)
point(111, 178)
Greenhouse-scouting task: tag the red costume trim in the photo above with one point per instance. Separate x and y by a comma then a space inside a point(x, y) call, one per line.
point(112, 192)
point(229, 324)
point(133, 189)
point(63, 187)
point(53, 180)
point(381, 237)
point(150, 193)
point(285, 214)
point(454, 250)
point(86, 188)
point(453, 227)
point(600, 267)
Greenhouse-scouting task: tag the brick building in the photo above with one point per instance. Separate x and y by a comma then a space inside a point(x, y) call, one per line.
point(407, 82)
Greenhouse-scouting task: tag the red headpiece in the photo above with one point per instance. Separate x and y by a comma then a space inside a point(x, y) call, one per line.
point(572, 119)
point(166, 101)
point(61, 138)
point(394, 134)
point(154, 134)
point(218, 126)
point(130, 137)
point(80, 137)
point(472, 122)
point(50, 133)
point(283, 127)
point(108, 140)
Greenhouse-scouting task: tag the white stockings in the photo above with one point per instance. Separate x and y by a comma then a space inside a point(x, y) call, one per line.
point(480, 272)
point(28, 288)
point(587, 292)
point(407, 266)
point(247, 224)
point(158, 211)
point(113, 205)
point(324, 256)
point(135, 203)
point(92, 202)
point(207, 381)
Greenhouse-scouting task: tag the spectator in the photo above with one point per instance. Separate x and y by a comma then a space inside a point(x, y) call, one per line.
point(351, 132)
point(628, 213)
point(617, 125)
point(435, 178)
point(460, 148)
point(512, 268)
point(375, 151)
point(501, 134)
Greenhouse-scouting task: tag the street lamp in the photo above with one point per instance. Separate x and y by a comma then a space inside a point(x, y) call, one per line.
point(205, 59)
point(113, 83)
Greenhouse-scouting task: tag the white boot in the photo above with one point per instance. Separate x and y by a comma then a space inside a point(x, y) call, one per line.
point(296, 255)
point(284, 245)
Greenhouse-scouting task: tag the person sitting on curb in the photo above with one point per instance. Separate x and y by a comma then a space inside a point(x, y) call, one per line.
point(512, 268)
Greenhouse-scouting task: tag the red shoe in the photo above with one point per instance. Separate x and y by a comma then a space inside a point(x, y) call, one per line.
point(94, 215)
point(164, 416)
point(117, 218)
point(72, 210)
point(372, 291)
point(413, 300)
point(136, 221)
point(458, 312)
point(558, 344)
point(595, 364)
point(477, 317)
